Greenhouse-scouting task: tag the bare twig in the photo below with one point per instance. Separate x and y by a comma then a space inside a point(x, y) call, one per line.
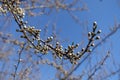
point(19, 60)
point(99, 65)
point(111, 74)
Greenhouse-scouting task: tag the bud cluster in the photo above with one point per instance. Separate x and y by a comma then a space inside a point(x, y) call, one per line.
point(12, 5)
point(2, 10)
point(92, 36)
point(32, 35)
point(44, 46)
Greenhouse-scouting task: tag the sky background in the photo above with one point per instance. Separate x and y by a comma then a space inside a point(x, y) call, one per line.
point(104, 12)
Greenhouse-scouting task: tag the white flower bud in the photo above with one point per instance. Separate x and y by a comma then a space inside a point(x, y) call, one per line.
point(94, 25)
point(83, 49)
point(89, 34)
point(51, 37)
point(99, 31)
point(57, 43)
point(78, 53)
point(92, 44)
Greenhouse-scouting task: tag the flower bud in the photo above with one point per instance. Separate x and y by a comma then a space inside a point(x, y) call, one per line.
point(97, 38)
point(83, 49)
point(89, 50)
point(89, 34)
point(92, 44)
point(94, 25)
point(99, 31)
point(57, 43)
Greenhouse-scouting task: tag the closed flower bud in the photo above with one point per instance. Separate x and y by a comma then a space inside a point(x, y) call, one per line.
point(51, 37)
point(57, 43)
point(89, 34)
point(89, 50)
point(97, 38)
point(92, 33)
point(99, 31)
point(83, 49)
point(70, 54)
point(76, 45)
point(95, 23)
point(92, 44)
point(77, 53)
point(24, 26)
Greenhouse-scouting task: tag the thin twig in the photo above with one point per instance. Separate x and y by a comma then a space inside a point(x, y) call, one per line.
point(19, 60)
point(98, 66)
point(112, 73)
